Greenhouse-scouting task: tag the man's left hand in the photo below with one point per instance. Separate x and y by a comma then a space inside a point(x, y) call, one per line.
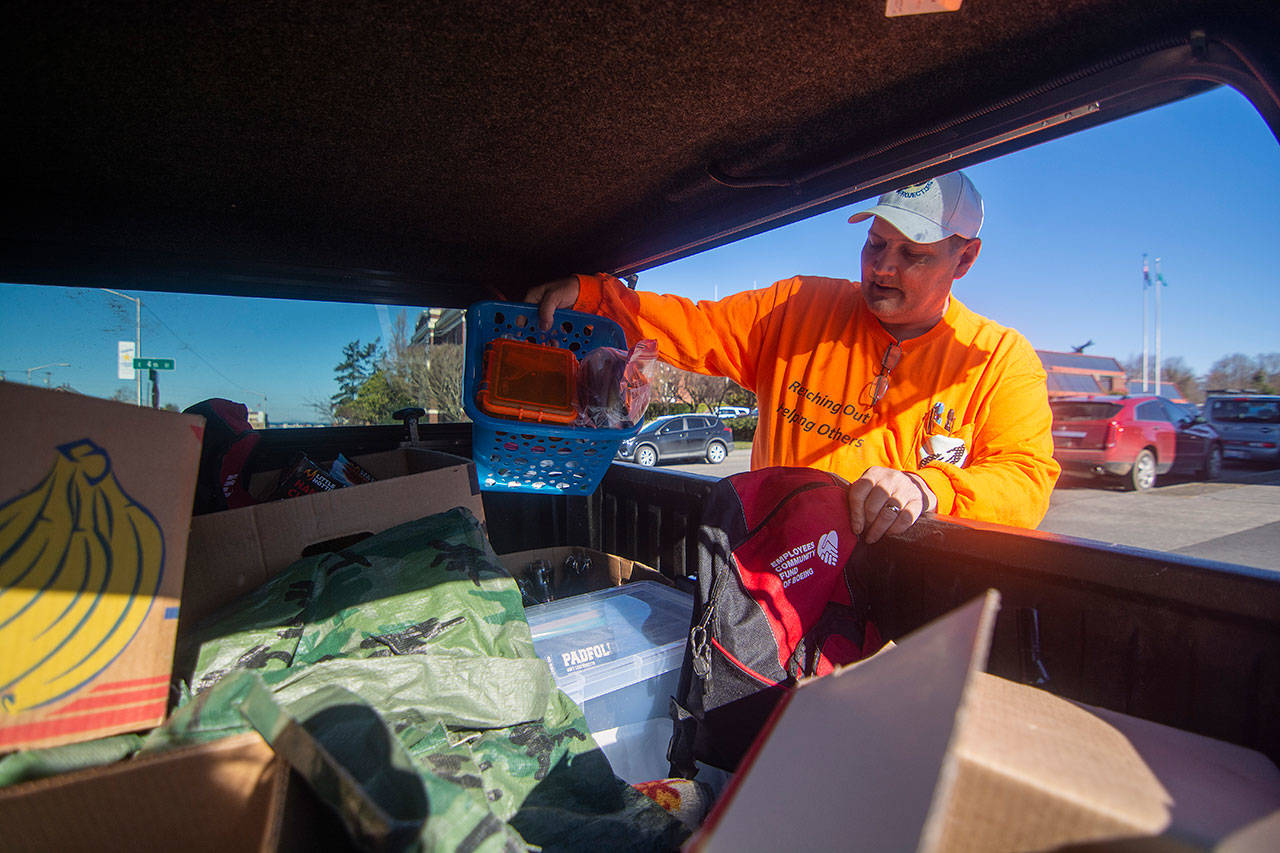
point(887, 501)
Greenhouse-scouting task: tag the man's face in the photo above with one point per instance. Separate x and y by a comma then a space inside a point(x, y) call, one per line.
point(906, 284)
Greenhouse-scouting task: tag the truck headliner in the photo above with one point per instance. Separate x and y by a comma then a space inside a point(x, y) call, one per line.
point(431, 153)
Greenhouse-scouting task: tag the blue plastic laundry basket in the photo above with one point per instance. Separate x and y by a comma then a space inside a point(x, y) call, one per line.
point(518, 456)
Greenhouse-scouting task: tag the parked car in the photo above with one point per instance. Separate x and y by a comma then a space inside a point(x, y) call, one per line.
point(732, 412)
point(1133, 438)
point(1248, 423)
point(679, 437)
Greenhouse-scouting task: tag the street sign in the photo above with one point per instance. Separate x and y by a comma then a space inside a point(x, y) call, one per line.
point(153, 364)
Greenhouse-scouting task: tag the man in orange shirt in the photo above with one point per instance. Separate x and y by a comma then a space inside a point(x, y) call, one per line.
point(890, 382)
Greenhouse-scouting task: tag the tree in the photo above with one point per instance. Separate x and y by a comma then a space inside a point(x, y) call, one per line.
point(1132, 367)
point(1267, 376)
point(374, 402)
point(1258, 382)
point(324, 407)
point(1269, 363)
point(708, 391)
point(1175, 370)
point(665, 389)
point(1232, 371)
point(739, 396)
point(430, 375)
point(1260, 373)
point(358, 364)
point(373, 385)
point(680, 390)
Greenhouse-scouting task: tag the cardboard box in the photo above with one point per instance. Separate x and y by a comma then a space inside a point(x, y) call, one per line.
point(915, 749)
point(1060, 773)
point(95, 507)
point(235, 551)
point(606, 569)
point(228, 794)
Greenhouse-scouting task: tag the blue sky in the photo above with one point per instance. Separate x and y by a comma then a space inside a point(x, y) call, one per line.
point(1196, 184)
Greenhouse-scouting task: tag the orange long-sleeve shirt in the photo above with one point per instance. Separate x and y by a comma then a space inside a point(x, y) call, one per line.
point(809, 348)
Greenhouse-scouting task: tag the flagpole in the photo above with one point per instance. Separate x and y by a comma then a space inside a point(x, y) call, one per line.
point(1146, 285)
point(1159, 285)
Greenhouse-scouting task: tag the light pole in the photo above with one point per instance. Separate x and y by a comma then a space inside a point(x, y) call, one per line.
point(31, 370)
point(137, 339)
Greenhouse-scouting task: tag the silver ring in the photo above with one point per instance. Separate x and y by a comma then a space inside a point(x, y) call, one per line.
point(893, 507)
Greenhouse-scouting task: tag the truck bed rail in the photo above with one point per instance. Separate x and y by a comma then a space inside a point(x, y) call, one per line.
point(1181, 641)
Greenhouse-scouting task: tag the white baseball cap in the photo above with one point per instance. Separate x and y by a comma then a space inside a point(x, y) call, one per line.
point(932, 211)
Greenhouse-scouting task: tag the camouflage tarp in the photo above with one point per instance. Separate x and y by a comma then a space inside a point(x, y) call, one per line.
point(30, 764)
point(399, 676)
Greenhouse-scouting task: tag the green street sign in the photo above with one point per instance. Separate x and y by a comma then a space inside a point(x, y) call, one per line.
point(153, 364)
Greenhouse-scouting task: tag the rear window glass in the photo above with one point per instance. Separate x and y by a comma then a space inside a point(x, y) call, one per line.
point(1086, 411)
point(1151, 411)
point(292, 363)
point(1246, 411)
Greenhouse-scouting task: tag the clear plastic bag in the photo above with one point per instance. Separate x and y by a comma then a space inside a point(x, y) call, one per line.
point(614, 386)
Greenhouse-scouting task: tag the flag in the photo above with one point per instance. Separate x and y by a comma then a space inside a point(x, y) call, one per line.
point(1160, 278)
point(1146, 273)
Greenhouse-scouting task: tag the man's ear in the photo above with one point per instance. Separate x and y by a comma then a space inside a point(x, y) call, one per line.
point(968, 255)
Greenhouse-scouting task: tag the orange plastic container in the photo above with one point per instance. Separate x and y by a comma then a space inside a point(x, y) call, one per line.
point(528, 382)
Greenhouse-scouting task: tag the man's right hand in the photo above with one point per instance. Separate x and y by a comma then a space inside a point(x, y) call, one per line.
point(886, 501)
point(551, 297)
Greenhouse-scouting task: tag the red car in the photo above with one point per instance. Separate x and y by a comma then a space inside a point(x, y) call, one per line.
point(1134, 439)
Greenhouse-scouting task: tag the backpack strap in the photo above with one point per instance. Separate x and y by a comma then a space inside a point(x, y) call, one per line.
point(680, 748)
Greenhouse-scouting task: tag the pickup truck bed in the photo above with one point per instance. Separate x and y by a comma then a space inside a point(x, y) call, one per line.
point(1185, 642)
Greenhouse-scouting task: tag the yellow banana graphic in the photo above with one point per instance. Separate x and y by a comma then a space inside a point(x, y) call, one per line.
point(80, 564)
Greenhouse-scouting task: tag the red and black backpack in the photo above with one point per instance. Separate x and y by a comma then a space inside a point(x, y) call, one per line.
point(779, 598)
point(229, 443)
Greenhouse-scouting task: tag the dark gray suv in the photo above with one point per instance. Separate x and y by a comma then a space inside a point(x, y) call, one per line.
point(678, 437)
point(1249, 424)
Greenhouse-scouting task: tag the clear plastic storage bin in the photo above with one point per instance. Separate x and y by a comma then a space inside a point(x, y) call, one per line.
point(617, 653)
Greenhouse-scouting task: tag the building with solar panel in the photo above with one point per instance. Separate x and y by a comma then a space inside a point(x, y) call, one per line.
point(1072, 374)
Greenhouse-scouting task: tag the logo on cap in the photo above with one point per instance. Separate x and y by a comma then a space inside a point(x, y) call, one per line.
point(915, 190)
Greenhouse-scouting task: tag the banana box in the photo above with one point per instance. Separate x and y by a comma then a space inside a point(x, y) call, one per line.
point(95, 507)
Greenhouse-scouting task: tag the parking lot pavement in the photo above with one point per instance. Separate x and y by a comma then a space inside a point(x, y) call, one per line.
point(1235, 519)
point(735, 463)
